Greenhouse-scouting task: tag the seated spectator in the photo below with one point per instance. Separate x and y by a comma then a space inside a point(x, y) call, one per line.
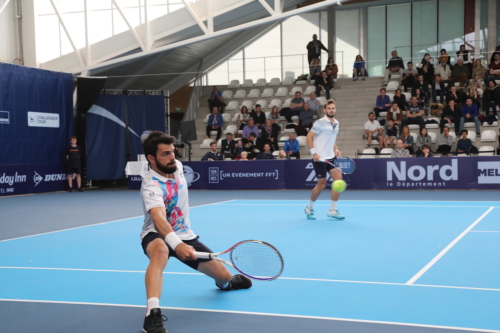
point(239, 149)
point(215, 123)
point(438, 89)
point(330, 78)
point(407, 139)
point(427, 60)
point(427, 68)
point(423, 86)
point(400, 98)
point(470, 113)
point(270, 134)
point(373, 131)
point(426, 151)
point(267, 154)
point(275, 118)
point(292, 146)
point(443, 54)
point(244, 156)
point(460, 73)
point(464, 55)
point(473, 93)
point(444, 142)
point(409, 76)
point(315, 68)
point(383, 103)
point(391, 133)
point(252, 145)
point(216, 100)
point(359, 68)
point(422, 139)
point(420, 98)
point(494, 68)
point(395, 114)
point(213, 154)
point(305, 119)
point(444, 70)
point(322, 84)
point(250, 128)
point(313, 102)
point(400, 150)
point(491, 98)
point(478, 74)
point(464, 145)
point(451, 114)
point(454, 94)
point(414, 114)
point(332, 66)
point(258, 116)
point(395, 66)
point(296, 105)
point(242, 117)
point(283, 155)
point(228, 146)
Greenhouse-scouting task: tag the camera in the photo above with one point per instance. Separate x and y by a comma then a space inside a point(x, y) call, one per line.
point(179, 145)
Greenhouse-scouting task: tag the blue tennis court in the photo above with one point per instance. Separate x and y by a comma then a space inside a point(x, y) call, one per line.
point(391, 266)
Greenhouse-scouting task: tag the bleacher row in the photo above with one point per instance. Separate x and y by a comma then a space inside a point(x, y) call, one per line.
point(386, 152)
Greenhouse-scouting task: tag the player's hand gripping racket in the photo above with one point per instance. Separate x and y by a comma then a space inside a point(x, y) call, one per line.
point(344, 164)
point(256, 259)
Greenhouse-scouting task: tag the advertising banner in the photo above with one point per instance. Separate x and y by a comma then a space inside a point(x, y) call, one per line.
point(37, 178)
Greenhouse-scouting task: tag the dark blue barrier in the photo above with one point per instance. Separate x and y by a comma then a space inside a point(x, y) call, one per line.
point(36, 178)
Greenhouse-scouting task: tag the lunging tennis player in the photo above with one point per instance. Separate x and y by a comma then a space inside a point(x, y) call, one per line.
point(167, 230)
point(321, 142)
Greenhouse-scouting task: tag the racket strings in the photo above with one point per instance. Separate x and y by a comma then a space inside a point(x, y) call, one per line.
point(257, 260)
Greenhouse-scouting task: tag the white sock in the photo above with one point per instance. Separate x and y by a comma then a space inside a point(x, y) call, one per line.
point(153, 303)
point(311, 204)
point(333, 205)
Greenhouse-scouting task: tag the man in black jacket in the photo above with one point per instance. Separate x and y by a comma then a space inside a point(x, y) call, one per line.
point(395, 66)
point(266, 154)
point(314, 49)
point(451, 115)
point(438, 88)
point(213, 154)
point(258, 116)
point(423, 85)
point(228, 146)
point(253, 145)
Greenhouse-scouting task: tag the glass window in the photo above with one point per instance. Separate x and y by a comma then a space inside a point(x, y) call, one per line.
point(424, 30)
point(235, 67)
point(74, 23)
point(47, 41)
point(347, 28)
point(451, 26)
point(218, 76)
point(263, 55)
point(399, 31)
point(377, 54)
point(100, 27)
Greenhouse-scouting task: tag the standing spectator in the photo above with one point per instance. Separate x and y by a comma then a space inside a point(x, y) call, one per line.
point(383, 102)
point(216, 100)
point(494, 68)
point(228, 146)
point(322, 84)
point(409, 76)
point(453, 94)
point(470, 112)
point(400, 99)
point(491, 98)
point(422, 139)
point(258, 116)
point(315, 68)
point(444, 142)
point(391, 133)
point(428, 67)
point(443, 54)
point(460, 73)
point(270, 134)
point(305, 119)
point(438, 88)
point(444, 70)
point(407, 139)
point(314, 48)
point(423, 86)
point(74, 164)
point(253, 145)
point(215, 123)
point(332, 66)
point(464, 145)
point(296, 106)
point(400, 150)
point(359, 68)
point(395, 66)
point(478, 73)
point(213, 154)
point(463, 54)
point(249, 129)
point(292, 146)
point(275, 117)
point(395, 114)
point(267, 154)
point(373, 131)
point(414, 114)
point(451, 114)
point(426, 151)
point(474, 94)
point(242, 117)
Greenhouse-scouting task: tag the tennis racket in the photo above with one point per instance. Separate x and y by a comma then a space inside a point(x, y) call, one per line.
point(344, 164)
point(256, 259)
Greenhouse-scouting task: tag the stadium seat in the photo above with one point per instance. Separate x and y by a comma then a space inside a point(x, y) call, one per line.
point(247, 83)
point(219, 143)
point(488, 136)
point(205, 121)
point(395, 76)
point(248, 103)
point(231, 129)
point(282, 140)
point(309, 90)
point(233, 105)
point(289, 130)
point(276, 153)
point(414, 126)
point(242, 93)
point(260, 83)
point(472, 136)
point(287, 81)
point(436, 125)
point(494, 124)
point(454, 136)
point(254, 93)
point(295, 119)
point(226, 117)
point(268, 114)
point(322, 100)
point(414, 135)
point(227, 94)
point(234, 84)
point(263, 103)
point(386, 152)
point(268, 92)
point(366, 151)
point(275, 102)
point(235, 117)
point(392, 85)
point(302, 141)
point(469, 125)
point(382, 114)
point(408, 96)
point(282, 91)
point(275, 81)
point(294, 90)
point(373, 143)
point(290, 74)
point(206, 143)
point(287, 103)
point(391, 96)
point(433, 137)
point(486, 151)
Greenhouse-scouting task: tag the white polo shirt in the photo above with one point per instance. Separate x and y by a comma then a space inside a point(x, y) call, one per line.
point(372, 126)
point(171, 194)
point(326, 135)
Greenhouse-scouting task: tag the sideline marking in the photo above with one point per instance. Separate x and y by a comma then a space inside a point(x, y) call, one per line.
point(236, 204)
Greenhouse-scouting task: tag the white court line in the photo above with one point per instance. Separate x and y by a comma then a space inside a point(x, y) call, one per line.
point(447, 248)
point(482, 231)
point(261, 314)
point(91, 225)
point(237, 204)
point(280, 278)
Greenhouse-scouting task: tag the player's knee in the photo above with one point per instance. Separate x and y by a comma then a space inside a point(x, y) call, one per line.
point(159, 253)
point(322, 182)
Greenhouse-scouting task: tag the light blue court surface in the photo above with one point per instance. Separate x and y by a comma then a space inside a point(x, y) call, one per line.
point(418, 262)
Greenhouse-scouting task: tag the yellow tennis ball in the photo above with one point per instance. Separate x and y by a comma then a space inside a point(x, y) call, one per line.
point(339, 186)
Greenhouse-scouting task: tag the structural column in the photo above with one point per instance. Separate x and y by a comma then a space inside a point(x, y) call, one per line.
point(331, 31)
point(492, 27)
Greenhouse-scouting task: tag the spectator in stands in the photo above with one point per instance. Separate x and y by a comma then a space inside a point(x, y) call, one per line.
point(74, 164)
point(422, 139)
point(463, 54)
point(292, 146)
point(314, 48)
point(395, 66)
point(322, 84)
point(409, 76)
point(239, 149)
point(473, 93)
point(305, 119)
point(270, 134)
point(315, 68)
point(491, 98)
point(275, 117)
point(470, 113)
point(215, 123)
point(478, 74)
point(267, 154)
point(407, 139)
point(427, 68)
point(454, 94)
point(313, 102)
point(253, 145)
point(391, 133)
point(213, 154)
point(494, 68)
point(420, 98)
point(332, 66)
point(258, 116)
point(438, 88)
point(464, 145)
point(359, 68)
point(443, 54)
point(383, 103)
point(244, 156)
point(395, 114)
point(330, 78)
point(228, 146)
point(296, 106)
point(426, 151)
point(427, 60)
point(242, 117)
point(373, 131)
point(423, 86)
point(216, 100)
point(400, 150)
point(414, 114)
point(444, 142)
point(451, 114)
point(444, 70)
point(460, 73)
point(249, 129)
point(400, 99)
point(283, 155)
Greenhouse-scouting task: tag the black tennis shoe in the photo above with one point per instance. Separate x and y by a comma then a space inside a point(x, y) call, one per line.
point(154, 322)
point(238, 281)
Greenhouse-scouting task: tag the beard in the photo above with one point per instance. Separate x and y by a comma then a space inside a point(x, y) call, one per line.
point(167, 168)
point(330, 115)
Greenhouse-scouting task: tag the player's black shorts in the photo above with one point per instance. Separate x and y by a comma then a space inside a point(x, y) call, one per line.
point(198, 247)
point(73, 169)
point(322, 168)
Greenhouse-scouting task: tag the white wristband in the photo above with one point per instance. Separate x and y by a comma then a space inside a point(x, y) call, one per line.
point(313, 151)
point(172, 240)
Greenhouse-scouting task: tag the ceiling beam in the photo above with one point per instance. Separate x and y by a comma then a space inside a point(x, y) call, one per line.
point(267, 7)
point(195, 17)
point(130, 27)
point(4, 5)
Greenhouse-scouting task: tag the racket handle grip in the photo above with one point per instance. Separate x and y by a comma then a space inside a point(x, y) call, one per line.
point(203, 255)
